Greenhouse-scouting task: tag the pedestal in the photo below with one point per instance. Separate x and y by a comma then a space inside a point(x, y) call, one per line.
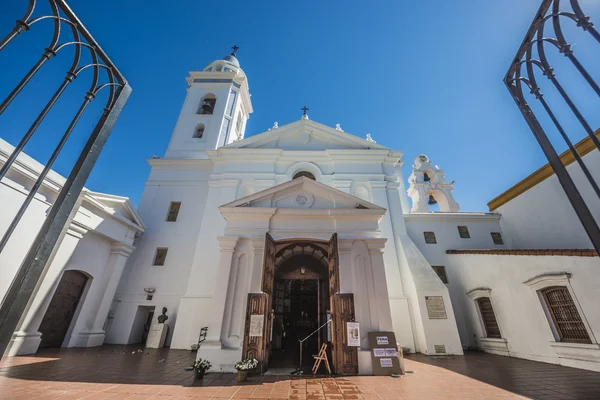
point(157, 336)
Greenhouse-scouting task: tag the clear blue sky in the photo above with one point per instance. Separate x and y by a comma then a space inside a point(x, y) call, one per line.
point(420, 76)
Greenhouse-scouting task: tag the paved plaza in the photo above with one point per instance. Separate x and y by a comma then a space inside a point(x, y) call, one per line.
point(130, 372)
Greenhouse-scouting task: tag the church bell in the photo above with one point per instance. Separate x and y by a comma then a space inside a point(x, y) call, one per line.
point(431, 201)
point(206, 105)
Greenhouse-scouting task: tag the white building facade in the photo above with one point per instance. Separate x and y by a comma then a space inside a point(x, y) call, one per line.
point(253, 243)
point(300, 202)
point(72, 301)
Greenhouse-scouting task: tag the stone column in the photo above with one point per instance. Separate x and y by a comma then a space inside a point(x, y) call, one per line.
point(380, 296)
point(346, 266)
point(227, 245)
point(258, 246)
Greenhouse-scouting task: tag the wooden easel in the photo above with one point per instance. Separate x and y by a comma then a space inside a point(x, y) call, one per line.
point(322, 356)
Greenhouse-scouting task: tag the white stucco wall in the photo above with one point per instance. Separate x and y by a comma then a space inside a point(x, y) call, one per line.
point(518, 308)
point(445, 227)
point(97, 243)
point(543, 218)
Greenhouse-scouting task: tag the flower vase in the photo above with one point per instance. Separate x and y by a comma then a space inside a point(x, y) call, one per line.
point(198, 374)
point(242, 376)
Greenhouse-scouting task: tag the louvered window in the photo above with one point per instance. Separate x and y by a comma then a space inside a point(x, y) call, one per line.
point(564, 314)
point(489, 318)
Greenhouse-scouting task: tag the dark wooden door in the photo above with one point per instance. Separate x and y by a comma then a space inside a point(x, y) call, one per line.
point(62, 307)
point(333, 266)
point(256, 346)
point(345, 358)
point(269, 265)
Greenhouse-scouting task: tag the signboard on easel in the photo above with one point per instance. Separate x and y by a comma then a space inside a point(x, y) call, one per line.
point(384, 353)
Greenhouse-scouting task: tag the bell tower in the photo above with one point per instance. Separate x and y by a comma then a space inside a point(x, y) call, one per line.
point(428, 186)
point(215, 111)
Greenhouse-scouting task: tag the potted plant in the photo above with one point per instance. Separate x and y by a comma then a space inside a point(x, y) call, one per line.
point(200, 368)
point(244, 366)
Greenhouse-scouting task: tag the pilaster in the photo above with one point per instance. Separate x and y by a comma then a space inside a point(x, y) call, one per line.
point(227, 247)
point(258, 250)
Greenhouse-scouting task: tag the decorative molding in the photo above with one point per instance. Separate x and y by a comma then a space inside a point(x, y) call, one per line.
point(583, 147)
point(549, 252)
point(258, 244)
point(345, 245)
point(375, 245)
point(121, 248)
point(479, 292)
point(577, 351)
point(549, 279)
point(227, 243)
point(77, 229)
point(494, 346)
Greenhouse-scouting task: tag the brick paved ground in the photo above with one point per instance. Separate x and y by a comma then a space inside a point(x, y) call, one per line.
point(113, 372)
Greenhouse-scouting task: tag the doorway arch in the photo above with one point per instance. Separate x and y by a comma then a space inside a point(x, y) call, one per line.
point(284, 259)
point(62, 308)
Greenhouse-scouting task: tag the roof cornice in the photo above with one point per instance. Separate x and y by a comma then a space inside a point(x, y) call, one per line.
point(583, 147)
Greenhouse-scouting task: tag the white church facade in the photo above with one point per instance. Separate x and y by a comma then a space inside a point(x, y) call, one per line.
point(299, 202)
point(258, 241)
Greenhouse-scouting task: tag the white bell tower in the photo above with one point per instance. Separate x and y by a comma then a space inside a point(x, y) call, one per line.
point(428, 183)
point(215, 110)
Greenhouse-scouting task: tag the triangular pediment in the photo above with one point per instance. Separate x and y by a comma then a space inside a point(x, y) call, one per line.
point(305, 135)
point(303, 193)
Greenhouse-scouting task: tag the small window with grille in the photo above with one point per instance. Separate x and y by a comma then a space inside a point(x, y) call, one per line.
point(440, 270)
point(497, 238)
point(173, 211)
point(429, 237)
point(489, 318)
point(564, 315)
point(463, 231)
point(160, 256)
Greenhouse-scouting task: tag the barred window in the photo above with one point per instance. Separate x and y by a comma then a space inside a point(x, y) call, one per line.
point(489, 318)
point(440, 270)
point(463, 231)
point(564, 314)
point(430, 237)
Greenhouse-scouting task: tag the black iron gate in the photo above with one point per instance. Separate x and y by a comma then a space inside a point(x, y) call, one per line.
point(103, 76)
point(546, 31)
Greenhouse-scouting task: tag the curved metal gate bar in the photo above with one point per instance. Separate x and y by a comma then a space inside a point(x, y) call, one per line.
point(56, 223)
point(517, 80)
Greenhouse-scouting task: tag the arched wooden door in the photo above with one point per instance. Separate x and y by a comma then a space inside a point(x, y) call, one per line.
point(62, 308)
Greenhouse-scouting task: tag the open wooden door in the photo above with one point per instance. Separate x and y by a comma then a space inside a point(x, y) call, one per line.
point(334, 273)
point(345, 358)
point(255, 333)
point(268, 284)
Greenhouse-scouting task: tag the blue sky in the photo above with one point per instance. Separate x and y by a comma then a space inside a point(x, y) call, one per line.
point(421, 77)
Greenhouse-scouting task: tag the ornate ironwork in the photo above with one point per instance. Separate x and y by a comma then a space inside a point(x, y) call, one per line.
point(521, 76)
point(103, 75)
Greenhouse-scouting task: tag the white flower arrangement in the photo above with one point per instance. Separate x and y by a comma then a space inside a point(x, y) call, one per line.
point(247, 364)
point(201, 365)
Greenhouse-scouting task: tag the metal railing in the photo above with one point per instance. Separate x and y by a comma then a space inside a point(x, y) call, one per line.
point(546, 33)
point(68, 33)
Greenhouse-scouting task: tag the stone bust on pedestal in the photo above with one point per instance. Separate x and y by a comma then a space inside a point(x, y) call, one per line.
point(162, 318)
point(158, 333)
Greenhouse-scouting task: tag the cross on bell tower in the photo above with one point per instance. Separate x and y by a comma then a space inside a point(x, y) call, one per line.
point(305, 114)
point(235, 48)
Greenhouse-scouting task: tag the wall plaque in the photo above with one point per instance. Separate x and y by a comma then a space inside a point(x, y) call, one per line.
point(257, 323)
point(435, 307)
